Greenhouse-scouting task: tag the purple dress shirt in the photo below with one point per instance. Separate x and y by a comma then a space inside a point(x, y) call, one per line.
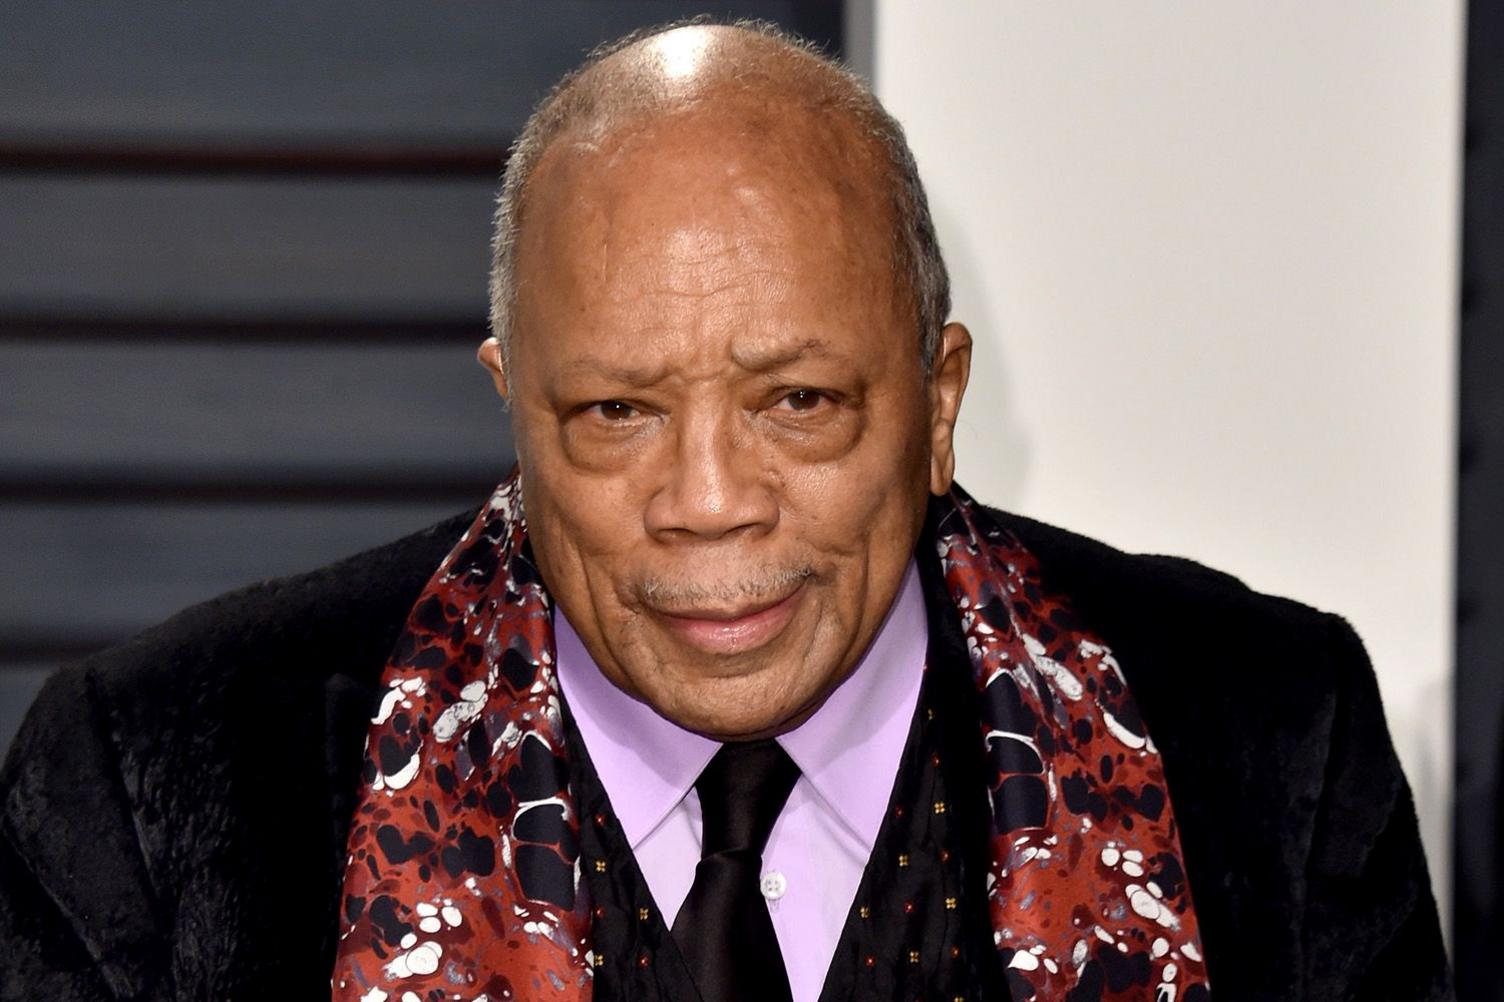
point(848, 754)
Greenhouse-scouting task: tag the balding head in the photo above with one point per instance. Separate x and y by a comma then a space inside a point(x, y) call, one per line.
point(760, 87)
point(731, 389)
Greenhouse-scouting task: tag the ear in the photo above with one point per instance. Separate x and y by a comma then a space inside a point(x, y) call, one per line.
point(952, 368)
point(489, 355)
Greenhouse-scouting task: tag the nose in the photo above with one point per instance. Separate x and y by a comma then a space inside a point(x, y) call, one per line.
point(714, 484)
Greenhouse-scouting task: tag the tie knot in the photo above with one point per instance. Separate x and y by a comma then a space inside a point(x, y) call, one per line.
point(742, 791)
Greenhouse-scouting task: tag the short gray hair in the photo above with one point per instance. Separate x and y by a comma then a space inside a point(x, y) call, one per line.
point(582, 98)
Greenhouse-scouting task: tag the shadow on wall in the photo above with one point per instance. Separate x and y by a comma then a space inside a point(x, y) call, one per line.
point(993, 452)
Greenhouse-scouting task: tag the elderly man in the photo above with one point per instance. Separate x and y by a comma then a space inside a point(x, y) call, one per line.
point(728, 692)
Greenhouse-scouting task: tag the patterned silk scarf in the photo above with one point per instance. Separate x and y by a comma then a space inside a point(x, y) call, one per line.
point(464, 874)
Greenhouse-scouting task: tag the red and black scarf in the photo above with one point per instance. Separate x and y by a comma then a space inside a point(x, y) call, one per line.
point(464, 878)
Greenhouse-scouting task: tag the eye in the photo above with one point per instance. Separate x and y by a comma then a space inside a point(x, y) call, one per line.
point(802, 399)
point(613, 410)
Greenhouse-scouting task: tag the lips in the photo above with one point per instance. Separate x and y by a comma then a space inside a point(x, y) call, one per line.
point(733, 630)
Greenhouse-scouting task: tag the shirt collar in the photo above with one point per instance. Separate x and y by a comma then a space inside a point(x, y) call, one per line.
point(859, 732)
point(648, 764)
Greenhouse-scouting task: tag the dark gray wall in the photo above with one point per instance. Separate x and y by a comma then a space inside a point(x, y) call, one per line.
point(242, 276)
point(1478, 871)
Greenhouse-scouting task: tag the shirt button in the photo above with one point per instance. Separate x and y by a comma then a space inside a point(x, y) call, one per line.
point(774, 885)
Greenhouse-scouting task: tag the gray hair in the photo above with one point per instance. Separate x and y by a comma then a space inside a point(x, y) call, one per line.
point(593, 97)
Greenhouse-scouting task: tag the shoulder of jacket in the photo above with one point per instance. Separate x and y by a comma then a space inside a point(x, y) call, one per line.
point(175, 683)
point(114, 790)
point(1171, 614)
point(1090, 565)
point(353, 601)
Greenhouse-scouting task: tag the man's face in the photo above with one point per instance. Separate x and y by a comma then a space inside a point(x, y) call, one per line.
point(725, 434)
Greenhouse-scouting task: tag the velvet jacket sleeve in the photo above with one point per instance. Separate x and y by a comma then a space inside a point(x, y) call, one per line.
point(1296, 822)
point(174, 810)
point(76, 908)
point(1369, 928)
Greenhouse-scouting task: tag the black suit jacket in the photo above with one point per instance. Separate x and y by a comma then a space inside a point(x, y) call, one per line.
point(175, 808)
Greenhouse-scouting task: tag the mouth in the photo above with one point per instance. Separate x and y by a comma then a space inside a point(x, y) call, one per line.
point(733, 630)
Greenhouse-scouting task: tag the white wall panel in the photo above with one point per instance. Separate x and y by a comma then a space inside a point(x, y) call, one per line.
point(1209, 254)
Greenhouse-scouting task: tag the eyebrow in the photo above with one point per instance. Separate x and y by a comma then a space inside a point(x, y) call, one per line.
point(753, 360)
point(765, 361)
point(630, 375)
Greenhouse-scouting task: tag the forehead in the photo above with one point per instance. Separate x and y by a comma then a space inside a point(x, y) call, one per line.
point(690, 200)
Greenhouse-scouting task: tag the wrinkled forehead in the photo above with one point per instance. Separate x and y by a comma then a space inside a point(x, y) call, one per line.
point(754, 180)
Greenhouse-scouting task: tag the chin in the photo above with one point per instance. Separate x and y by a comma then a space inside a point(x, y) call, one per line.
point(738, 709)
point(737, 725)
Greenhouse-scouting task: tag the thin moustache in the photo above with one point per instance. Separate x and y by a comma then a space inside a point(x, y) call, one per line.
point(723, 600)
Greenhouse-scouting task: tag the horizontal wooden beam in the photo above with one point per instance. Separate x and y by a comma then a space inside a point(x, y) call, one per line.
point(53, 328)
point(163, 486)
point(42, 648)
point(271, 159)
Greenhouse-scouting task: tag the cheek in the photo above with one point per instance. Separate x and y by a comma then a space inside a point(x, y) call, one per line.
point(863, 515)
point(600, 450)
point(585, 503)
point(583, 528)
point(826, 441)
point(880, 473)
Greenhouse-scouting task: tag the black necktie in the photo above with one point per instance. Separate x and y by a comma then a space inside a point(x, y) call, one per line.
point(723, 928)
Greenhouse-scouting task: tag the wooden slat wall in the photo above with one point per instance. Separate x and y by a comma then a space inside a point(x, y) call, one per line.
point(243, 251)
point(100, 571)
point(272, 247)
point(202, 410)
point(1478, 833)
